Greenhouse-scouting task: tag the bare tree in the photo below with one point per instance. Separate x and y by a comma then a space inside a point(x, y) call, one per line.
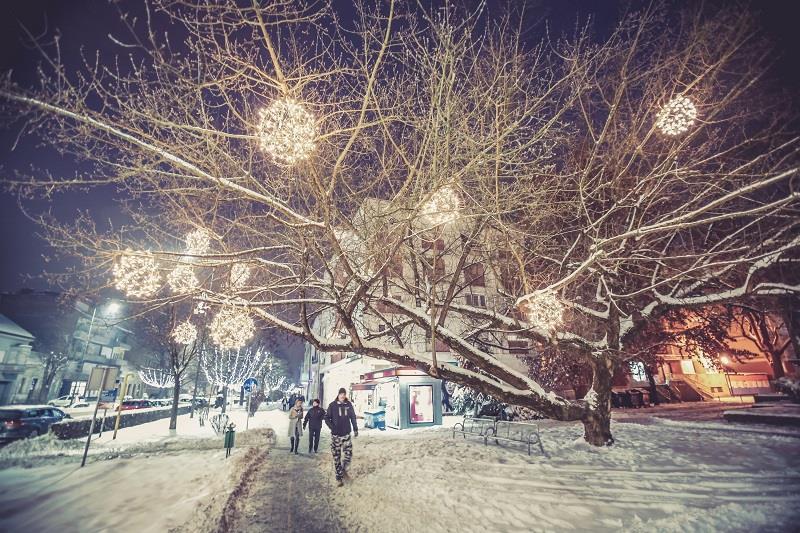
point(53, 362)
point(365, 174)
point(170, 359)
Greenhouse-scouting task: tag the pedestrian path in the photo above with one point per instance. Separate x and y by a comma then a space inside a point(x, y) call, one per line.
point(290, 493)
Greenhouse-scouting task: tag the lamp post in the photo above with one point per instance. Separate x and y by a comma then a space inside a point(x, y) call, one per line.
point(112, 308)
point(726, 371)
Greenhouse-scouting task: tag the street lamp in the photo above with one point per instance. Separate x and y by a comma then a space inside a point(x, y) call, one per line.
point(111, 309)
point(725, 369)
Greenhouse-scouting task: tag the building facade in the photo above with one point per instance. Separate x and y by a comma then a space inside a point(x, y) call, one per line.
point(20, 367)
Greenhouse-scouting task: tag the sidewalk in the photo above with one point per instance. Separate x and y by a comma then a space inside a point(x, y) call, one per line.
point(289, 492)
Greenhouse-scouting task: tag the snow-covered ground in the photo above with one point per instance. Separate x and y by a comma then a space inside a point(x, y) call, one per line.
point(148, 479)
point(660, 476)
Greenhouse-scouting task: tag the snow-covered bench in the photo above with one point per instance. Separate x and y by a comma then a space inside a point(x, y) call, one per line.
point(515, 432)
point(476, 426)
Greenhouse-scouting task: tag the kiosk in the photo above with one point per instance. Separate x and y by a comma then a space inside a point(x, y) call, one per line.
point(408, 397)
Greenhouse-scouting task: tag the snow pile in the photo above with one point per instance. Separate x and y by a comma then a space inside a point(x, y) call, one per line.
point(149, 480)
point(658, 477)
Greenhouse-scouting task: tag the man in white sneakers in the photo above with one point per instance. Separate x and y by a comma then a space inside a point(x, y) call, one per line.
point(340, 417)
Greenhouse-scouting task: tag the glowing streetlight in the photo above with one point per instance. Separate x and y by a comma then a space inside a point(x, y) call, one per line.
point(287, 131)
point(676, 116)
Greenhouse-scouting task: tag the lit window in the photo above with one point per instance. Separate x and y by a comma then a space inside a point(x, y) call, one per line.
point(637, 371)
point(687, 366)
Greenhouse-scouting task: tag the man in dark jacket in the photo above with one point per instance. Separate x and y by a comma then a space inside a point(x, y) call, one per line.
point(313, 420)
point(339, 418)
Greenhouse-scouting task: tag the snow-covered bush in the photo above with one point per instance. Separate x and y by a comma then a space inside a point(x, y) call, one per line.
point(789, 386)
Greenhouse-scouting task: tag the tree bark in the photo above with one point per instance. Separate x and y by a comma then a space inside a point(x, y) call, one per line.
point(176, 394)
point(776, 362)
point(597, 419)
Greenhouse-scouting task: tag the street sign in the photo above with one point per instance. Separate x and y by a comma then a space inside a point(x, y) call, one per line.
point(250, 384)
point(102, 378)
point(108, 398)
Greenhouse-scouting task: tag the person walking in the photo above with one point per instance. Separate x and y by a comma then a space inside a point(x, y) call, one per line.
point(295, 425)
point(339, 417)
point(313, 419)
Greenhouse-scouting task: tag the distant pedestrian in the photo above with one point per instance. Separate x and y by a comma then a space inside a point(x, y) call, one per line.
point(296, 425)
point(339, 418)
point(313, 419)
point(283, 403)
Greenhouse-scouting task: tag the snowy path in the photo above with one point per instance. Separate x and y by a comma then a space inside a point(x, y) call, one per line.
point(289, 492)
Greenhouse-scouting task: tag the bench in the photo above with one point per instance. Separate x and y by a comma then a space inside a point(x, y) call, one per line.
point(515, 432)
point(476, 426)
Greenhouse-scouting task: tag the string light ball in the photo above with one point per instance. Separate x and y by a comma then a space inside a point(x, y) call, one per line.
point(240, 273)
point(544, 310)
point(137, 274)
point(232, 327)
point(676, 116)
point(287, 131)
point(198, 241)
point(442, 208)
point(185, 333)
point(182, 280)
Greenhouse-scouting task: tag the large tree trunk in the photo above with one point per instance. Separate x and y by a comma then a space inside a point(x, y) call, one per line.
point(597, 420)
point(776, 362)
point(176, 396)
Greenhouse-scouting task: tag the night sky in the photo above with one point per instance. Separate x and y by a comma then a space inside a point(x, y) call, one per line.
point(87, 24)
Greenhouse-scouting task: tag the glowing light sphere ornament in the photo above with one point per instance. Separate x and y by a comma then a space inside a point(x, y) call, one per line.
point(232, 327)
point(543, 309)
point(676, 116)
point(137, 274)
point(442, 208)
point(185, 333)
point(198, 242)
point(240, 273)
point(182, 280)
point(287, 131)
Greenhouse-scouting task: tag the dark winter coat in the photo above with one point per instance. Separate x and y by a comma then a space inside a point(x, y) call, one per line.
point(314, 418)
point(340, 416)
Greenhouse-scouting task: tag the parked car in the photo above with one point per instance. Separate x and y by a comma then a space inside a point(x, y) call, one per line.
point(23, 421)
point(161, 402)
point(80, 404)
point(129, 405)
point(64, 401)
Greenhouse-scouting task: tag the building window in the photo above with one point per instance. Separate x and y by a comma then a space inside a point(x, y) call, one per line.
point(638, 371)
point(687, 366)
point(475, 275)
point(21, 385)
point(476, 300)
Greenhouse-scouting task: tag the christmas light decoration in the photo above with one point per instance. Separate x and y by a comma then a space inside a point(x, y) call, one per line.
point(182, 279)
point(157, 377)
point(676, 116)
point(232, 327)
point(240, 273)
point(137, 274)
point(184, 333)
point(543, 309)
point(230, 368)
point(287, 131)
point(198, 242)
point(442, 208)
